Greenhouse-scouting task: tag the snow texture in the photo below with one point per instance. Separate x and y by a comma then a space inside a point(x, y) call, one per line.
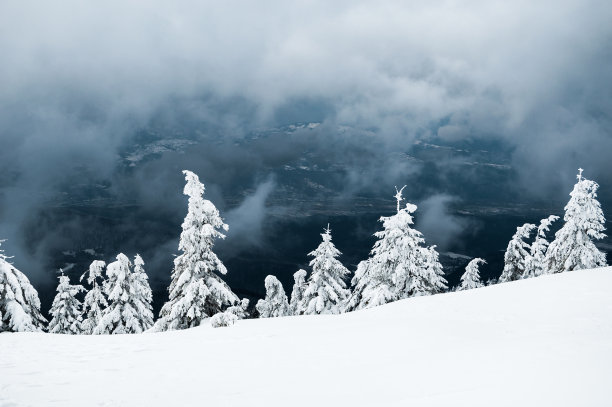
point(196, 292)
point(535, 264)
point(455, 349)
point(222, 319)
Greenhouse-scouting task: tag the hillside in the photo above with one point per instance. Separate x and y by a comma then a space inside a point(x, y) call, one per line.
point(538, 342)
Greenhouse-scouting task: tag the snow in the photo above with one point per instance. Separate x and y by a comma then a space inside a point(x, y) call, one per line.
point(544, 341)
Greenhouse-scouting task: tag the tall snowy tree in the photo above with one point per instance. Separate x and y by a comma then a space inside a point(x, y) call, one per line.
point(516, 254)
point(535, 264)
point(142, 295)
point(124, 312)
point(297, 295)
point(399, 266)
point(326, 290)
point(573, 247)
point(19, 302)
point(196, 292)
point(66, 308)
point(471, 278)
point(275, 304)
point(95, 301)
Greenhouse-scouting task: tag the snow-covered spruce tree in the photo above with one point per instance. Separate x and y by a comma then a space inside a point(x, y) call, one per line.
point(535, 264)
point(399, 266)
point(326, 291)
point(471, 278)
point(19, 302)
point(123, 314)
point(240, 309)
point(95, 301)
point(275, 304)
point(573, 247)
point(516, 254)
point(297, 294)
point(196, 292)
point(66, 308)
point(142, 295)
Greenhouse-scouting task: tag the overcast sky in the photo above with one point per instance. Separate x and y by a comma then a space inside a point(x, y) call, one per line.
point(78, 79)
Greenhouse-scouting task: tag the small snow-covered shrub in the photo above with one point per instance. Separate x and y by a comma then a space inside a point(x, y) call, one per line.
point(223, 319)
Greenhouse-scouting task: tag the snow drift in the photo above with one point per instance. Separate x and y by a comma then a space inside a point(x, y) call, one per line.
point(544, 341)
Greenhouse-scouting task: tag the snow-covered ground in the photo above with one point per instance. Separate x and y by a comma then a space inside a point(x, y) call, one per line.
point(539, 342)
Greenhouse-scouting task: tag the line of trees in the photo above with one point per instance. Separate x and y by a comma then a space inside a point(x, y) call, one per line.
point(400, 266)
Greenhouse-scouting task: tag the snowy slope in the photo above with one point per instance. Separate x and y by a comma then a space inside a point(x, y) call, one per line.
point(540, 342)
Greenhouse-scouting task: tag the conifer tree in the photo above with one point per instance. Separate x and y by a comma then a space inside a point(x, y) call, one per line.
point(326, 290)
point(471, 278)
point(399, 266)
point(275, 304)
point(297, 294)
point(141, 293)
point(573, 247)
point(516, 254)
point(19, 302)
point(196, 292)
point(535, 264)
point(66, 308)
point(240, 309)
point(123, 314)
point(95, 301)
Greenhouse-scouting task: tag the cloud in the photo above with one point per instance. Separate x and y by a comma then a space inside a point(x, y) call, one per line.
point(80, 80)
point(438, 224)
point(247, 220)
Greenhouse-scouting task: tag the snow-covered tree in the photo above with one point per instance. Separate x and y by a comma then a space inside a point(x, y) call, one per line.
point(240, 309)
point(535, 264)
point(516, 254)
point(95, 301)
point(196, 292)
point(223, 319)
point(275, 304)
point(471, 278)
point(123, 314)
point(66, 308)
point(19, 302)
point(141, 293)
point(326, 290)
point(297, 295)
point(573, 247)
point(399, 266)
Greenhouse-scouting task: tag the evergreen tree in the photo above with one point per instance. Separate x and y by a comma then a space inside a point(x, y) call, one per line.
point(399, 266)
point(471, 278)
point(240, 309)
point(196, 292)
point(123, 314)
point(426, 279)
point(19, 302)
point(95, 302)
point(142, 295)
point(297, 295)
point(573, 247)
point(326, 290)
point(275, 304)
point(535, 265)
point(516, 254)
point(66, 308)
